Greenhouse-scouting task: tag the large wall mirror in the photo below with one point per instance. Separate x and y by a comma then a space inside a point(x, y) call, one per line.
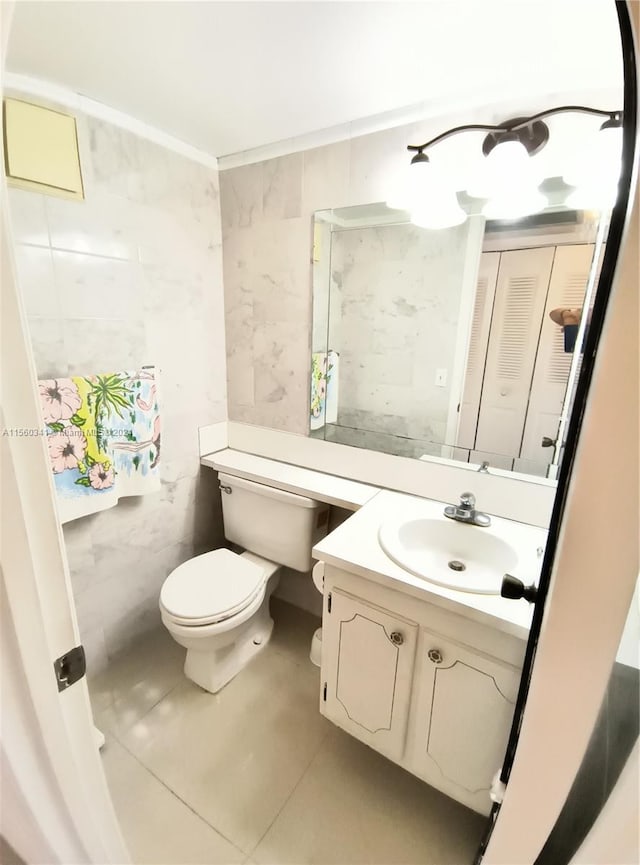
point(456, 344)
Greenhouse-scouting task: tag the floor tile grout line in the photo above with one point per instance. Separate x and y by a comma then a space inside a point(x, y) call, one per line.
point(116, 734)
point(123, 655)
point(144, 714)
point(295, 787)
point(180, 799)
point(109, 670)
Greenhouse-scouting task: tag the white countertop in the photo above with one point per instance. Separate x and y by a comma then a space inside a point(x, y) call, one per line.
point(323, 487)
point(354, 547)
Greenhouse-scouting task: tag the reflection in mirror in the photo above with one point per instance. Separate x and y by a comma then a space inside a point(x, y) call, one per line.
point(459, 344)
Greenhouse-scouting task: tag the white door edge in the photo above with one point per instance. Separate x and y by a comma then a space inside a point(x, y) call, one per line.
point(593, 580)
point(56, 805)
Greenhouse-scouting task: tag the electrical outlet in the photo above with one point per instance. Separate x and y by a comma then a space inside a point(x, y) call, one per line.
point(441, 378)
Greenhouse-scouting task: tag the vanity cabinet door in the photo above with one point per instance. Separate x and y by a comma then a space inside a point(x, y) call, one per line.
point(462, 720)
point(367, 666)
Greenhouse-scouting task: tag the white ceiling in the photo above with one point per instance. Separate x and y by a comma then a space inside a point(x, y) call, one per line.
point(230, 76)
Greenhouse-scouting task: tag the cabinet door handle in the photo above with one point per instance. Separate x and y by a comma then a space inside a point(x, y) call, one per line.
point(435, 655)
point(396, 638)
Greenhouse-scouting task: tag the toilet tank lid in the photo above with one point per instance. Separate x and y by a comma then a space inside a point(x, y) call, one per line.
point(213, 584)
point(270, 492)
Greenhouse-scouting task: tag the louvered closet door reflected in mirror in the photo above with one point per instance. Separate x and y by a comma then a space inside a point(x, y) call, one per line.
point(571, 266)
point(517, 368)
point(521, 293)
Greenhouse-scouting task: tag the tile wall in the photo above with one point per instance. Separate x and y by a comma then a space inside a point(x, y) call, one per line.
point(132, 275)
point(267, 224)
point(398, 291)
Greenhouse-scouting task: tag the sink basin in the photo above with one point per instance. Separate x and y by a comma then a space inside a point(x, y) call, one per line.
point(452, 554)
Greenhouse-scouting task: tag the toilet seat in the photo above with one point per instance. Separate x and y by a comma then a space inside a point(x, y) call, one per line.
point(211, 588)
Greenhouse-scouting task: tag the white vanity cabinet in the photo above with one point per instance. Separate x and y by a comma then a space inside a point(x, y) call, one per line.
point(428, 688)
point(367, 666)
point(464, 703)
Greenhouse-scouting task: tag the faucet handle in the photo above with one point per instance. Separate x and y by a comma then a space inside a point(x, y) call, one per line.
point(467, 500)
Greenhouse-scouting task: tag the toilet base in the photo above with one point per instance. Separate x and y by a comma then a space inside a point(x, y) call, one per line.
point(219, 651)
point(213, 669)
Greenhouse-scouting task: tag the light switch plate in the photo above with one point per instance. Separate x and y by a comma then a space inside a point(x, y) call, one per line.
point(441, 378)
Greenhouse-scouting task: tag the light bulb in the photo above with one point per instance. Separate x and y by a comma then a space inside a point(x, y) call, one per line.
point(597, 173)
point(399, 194)
point(602, 156)
point(506, 166)
point(515, 204)
point(438, 219)
point(509, 180)
point(434, 204)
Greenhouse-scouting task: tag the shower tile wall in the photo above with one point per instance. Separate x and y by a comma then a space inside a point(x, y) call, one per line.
point(132, 275)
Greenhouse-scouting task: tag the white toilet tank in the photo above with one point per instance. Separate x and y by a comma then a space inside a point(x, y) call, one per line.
point(275, 524)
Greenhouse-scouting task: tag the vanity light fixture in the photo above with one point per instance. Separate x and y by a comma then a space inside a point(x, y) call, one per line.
point(434, 204)
point(596, 174)
point(509, 178)
point(421, 189)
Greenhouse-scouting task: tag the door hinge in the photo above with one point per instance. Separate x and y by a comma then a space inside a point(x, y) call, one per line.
point(70, 667)
point(324, 692)
point(329, 602)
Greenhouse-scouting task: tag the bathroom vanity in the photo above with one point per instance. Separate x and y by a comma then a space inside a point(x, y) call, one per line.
point(424, 674)
point(418, 669)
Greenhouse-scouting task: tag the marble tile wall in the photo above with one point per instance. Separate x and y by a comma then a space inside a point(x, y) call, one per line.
point(397, 290)
point(321, 284)
point(267, 225)
point(133, 275)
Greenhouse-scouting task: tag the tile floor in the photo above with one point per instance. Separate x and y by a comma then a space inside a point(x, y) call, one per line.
point(255, 774)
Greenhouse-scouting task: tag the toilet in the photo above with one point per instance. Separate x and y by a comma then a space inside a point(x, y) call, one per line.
point(217, 605)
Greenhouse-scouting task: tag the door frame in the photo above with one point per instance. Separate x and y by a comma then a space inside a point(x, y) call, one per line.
point(592, 535)
point(56, 806)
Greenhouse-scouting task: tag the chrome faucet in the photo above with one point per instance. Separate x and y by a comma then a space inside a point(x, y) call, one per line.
point(466, 512)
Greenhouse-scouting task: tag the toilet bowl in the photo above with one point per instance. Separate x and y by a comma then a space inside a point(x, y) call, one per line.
point(216, 605)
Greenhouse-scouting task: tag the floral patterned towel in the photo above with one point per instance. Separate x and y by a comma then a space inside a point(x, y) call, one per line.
point(103, 438)
point(324, 388)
